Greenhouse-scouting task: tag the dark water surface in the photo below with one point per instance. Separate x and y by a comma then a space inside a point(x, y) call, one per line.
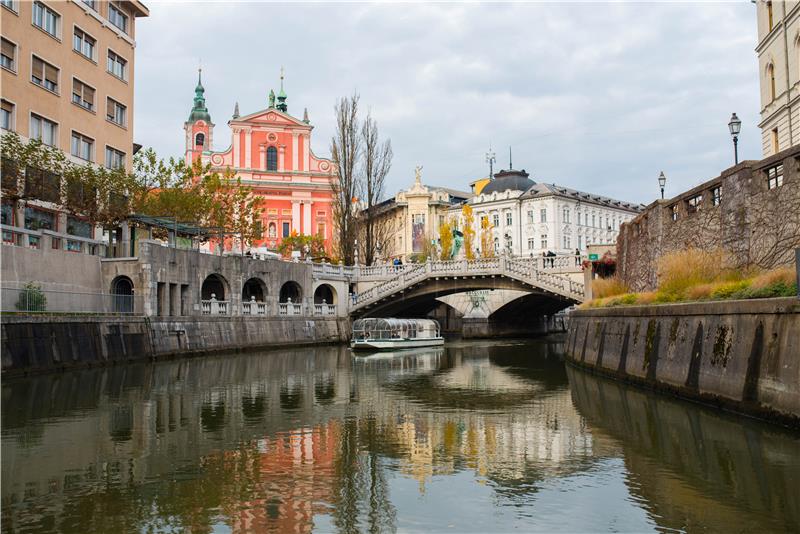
point(480, 437)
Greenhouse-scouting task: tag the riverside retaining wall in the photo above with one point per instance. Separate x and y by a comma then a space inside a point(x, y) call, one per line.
point(49, 343)
point(742, 355)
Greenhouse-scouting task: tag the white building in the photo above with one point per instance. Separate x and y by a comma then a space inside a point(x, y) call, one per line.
point(529, 218)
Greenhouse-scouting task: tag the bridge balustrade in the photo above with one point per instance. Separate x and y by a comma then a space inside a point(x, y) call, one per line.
point(214, 307)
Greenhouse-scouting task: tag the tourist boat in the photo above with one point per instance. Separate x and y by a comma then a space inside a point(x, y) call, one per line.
point(377, 333)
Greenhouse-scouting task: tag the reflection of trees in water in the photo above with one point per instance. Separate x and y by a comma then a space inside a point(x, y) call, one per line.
point(291, 397)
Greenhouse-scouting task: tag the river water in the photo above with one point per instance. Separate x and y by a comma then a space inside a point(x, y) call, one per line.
point(479, 437)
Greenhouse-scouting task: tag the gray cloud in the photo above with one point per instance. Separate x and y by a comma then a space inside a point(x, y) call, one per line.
point(599, 97)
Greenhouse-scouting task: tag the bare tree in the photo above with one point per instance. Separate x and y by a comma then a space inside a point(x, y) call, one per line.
point(377, 160)
point(346, 150)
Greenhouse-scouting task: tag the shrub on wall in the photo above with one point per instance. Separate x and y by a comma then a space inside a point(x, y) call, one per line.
point(31, 298)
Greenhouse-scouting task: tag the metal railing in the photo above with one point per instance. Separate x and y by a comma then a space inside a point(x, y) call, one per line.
point(34, 299)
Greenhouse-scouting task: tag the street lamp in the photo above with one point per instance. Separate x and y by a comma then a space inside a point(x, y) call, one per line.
point(735, 126)
point(662, 181)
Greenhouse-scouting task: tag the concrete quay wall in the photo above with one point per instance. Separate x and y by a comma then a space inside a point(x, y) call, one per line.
point(31, 344)
point(740, 355)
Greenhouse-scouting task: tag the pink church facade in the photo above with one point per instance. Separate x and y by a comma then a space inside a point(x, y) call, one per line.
point(271, 151)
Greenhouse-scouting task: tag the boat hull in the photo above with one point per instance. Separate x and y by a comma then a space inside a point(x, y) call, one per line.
point(395, 344)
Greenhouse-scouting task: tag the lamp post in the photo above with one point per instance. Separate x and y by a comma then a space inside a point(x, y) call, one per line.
point(662, 181)
point(735, 126)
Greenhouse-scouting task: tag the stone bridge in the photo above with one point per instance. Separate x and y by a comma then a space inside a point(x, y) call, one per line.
point(409, 283)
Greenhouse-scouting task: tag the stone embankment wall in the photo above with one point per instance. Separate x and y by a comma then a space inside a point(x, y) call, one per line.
point(742, 355)
point(50, 343)
point(742, 211)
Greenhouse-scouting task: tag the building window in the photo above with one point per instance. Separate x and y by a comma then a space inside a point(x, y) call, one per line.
point(321, 229)
point(509, 218)
point(286, 229)
point(495, 219)
point(114, 158)
point(45, 18)
point(771, 76)
point(716, 196)
point(44, 74)
point(580, 242)
point(83, 43)
point(272, 159)
point(7, 116)
point(543, 215)
point(531, 243)
point(79, 227)
point(117, 65)
point(530, 217)
point(82, 146)
point(608, 227)
point(117, 18)
point(694, 203)
point(769, 16)
point(44, 130)
point(36, 219)
point(8, 58)
point(594, 220)
point(566, 215)
point(544, 241)
point(775, 176)
point(42, 185)
point(82, 94)
point(567, 244)
point(8, 4)
point(90, 3)
point(116, 112)
point(775, 144)
point(674, 212)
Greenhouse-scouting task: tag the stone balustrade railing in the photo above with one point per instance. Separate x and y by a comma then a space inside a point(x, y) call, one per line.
point(254, 308)
point(214, 307)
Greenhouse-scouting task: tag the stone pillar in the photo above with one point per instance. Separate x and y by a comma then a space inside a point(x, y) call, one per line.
point(295, 152)
point(235, 148)
point(307, 218)
point(126, 240)
point(306, 155)
point(588, 275)
point(247, 151)
point(296, 215)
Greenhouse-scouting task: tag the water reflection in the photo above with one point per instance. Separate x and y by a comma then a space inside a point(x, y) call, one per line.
point(479, 437)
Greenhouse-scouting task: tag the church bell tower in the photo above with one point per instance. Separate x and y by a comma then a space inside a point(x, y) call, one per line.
point(199, 128)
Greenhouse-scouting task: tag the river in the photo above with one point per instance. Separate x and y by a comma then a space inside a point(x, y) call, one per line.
point(494, 436)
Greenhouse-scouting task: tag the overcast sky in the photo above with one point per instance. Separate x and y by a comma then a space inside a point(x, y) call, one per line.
point(598, 97)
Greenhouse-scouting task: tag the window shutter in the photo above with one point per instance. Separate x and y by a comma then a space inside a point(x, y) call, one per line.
point(38, 68)
point(8, 49)
point(51, 73)
point(88, 95)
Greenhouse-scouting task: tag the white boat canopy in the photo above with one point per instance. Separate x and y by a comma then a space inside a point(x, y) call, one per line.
point(391, 328)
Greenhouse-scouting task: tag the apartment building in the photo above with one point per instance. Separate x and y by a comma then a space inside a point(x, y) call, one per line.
point(67, 75)
point(67, 79)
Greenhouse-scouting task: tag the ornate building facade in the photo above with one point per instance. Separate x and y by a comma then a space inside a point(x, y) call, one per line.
point(271, 151)
point(778, 52)
point(530, 218)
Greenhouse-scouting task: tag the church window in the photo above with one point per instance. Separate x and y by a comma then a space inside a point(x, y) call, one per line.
point(286, 229)
point(200, 139)
point(321, 229)
point(272, 159)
